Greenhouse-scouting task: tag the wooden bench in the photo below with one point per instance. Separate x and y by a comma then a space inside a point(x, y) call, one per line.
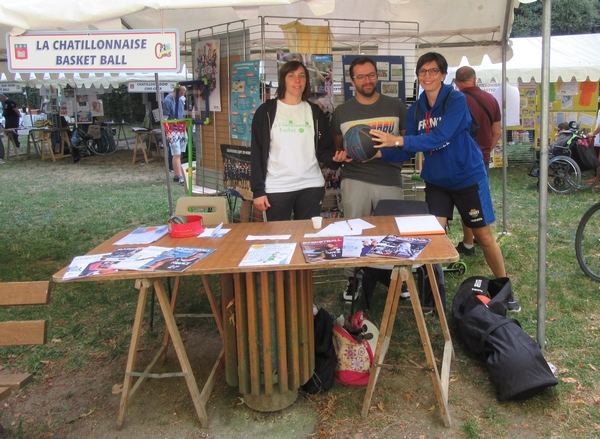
point(21, 333)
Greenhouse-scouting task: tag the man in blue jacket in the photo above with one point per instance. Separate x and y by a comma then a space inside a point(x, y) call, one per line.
point(454, 172)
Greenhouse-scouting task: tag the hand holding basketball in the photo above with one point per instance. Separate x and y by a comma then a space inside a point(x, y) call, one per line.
point(384, 139)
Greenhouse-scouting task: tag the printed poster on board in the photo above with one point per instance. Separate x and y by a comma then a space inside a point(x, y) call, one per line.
point(206, 66)
point(390, 76)
point(236, 168)
point(245, 98)
point(320, 69)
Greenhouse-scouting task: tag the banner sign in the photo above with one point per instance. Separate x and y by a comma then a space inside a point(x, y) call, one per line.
point(10, 87)
point(150, 87)
point(94, 51)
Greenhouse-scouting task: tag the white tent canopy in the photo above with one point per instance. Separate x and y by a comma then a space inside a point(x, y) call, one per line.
point(571, 56)
point(86, 80)
point(459, 28)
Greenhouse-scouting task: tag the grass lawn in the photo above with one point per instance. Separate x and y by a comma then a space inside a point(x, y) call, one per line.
point(51, 212)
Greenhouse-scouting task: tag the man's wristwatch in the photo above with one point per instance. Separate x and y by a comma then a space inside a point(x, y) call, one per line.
point(397, 141)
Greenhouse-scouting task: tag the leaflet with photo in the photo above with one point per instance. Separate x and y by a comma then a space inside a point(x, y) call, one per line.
point(177, 259)
point(81, 266)
point(322, 250)
point(123, 253)
point(139, 258)
point(393, 246)
point(359, 246)
point(268, 254)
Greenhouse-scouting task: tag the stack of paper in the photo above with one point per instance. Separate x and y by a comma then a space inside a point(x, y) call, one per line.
point(419, 225)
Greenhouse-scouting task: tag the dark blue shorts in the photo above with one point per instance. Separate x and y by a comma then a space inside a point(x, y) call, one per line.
point(474, 203)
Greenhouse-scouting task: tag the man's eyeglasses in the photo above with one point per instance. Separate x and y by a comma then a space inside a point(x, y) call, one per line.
point(361, 78)
point(429, 72)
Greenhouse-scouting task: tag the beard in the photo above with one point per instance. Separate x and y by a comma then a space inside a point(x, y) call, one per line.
point(366, 93)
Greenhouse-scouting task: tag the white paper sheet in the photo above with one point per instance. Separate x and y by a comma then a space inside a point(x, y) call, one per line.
point(261, 237)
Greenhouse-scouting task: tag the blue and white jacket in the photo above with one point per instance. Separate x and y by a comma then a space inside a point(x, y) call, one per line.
point(452, 159)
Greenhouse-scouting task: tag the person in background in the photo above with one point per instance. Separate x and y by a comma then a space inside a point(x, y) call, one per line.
point(11, 115)
point(486, 110)
point(591, 137)
point(363, 185)
point(1, 150)
point(170, 112)
point(453, 171)
point(290, 136)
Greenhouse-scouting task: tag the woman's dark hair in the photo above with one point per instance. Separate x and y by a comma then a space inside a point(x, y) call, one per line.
point(292, 66)
point(432, 56)
point(359, 61)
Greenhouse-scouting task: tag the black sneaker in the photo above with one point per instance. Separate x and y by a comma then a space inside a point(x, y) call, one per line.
point(176, 179)
point(464, 250)
point(404, 294)
point(347, 294)
point(513, 304)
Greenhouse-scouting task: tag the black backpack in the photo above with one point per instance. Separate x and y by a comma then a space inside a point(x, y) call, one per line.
point(325, 358)
point(515, 363)
point(473, 130)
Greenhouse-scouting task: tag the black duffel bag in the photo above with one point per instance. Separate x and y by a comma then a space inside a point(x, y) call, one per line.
point(515, 363)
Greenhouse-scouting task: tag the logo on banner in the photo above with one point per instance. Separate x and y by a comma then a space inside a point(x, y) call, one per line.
point(162, 50)
point(21, 51)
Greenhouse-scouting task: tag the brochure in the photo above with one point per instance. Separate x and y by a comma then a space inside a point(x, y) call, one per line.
point(143, 235)
point(323, 250)
point(82, 266)
point(268, 254)
point(359, 246)
point(139, 258)
point(419, 225)
point(394, 246)
point(177, 259)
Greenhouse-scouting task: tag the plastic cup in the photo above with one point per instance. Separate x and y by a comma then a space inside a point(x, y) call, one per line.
point(317, 221)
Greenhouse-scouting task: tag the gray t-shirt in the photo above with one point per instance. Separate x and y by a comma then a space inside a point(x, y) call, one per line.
point(387, 114)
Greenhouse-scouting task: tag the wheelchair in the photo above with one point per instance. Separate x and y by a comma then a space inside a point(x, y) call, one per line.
point(566, 170)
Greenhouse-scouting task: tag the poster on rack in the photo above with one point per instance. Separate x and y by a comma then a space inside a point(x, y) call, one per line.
point(320, 69)
point(84, 107)
point(96, 107)
point(390, 76)
point(245, 98)
point(206, 67)
point(236, 169)
point(84, 111)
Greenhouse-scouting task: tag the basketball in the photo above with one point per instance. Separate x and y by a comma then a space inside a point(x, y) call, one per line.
point(178, 219)
point(358, 143)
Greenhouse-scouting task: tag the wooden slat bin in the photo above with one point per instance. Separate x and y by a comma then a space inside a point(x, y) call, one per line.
point(21, 333)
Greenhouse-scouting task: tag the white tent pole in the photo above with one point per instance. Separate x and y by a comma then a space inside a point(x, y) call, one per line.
point(164, 142)
point(509, 8)
point(543, 207)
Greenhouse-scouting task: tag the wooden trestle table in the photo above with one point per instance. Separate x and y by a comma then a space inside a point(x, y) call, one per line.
point(266, 315)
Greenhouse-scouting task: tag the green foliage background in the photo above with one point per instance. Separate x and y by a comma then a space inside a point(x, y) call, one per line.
point(568, 17)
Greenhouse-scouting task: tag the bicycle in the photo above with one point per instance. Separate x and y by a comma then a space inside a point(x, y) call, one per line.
point(587, 240)
point(83, 141)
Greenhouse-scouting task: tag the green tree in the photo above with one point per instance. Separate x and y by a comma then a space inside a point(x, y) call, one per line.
point(120, 105)
point(568, 17)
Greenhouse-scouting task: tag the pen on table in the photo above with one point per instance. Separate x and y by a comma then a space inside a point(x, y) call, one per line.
point(348, 222)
